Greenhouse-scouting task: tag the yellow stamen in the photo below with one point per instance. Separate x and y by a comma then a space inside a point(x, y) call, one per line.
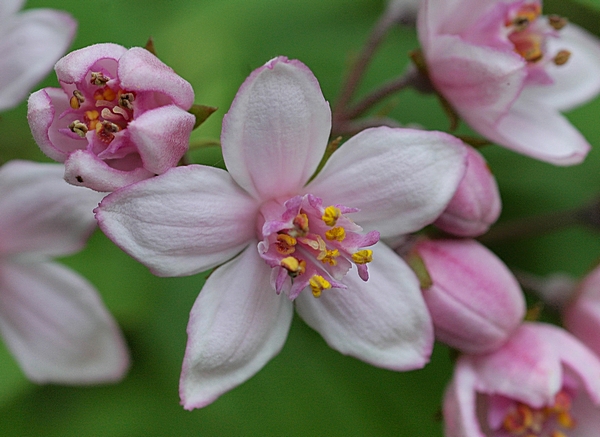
point(562, 57)
point(294, 266)
point(286, 244)
point(76, 100)
point(363, 256)
point(92, 115)
point(79, 128)
point(519, 420)
point(98, 78)
point(318, 284)
point(300, 226)
point(338, 233)
point(565, 420)
point(330, 215)
point(329, 257)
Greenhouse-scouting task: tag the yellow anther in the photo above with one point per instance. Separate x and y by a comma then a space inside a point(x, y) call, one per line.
point(330, 215)
point(79, 128)
point(329, 257)
point(363, 256)
point(293, 265)
point(126, 100)
point(91, 115)
point(300, 226)
point(76, 100)
point(562, 57)
point(338, 233)
point(286, 244)
point(98, 78)
point(318, 284)
point(565, 420)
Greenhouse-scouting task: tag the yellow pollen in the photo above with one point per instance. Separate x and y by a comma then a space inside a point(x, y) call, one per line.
point(562, 57)
point(363, 256)
point(105, 94)
point(330, 215)
point(565, 420)
point(329, 257)
point(519, 420)
point(338, 233)
point(294, 266)
point(285, 244)
point(300, 225)
point(318, 284)
point(92, 115)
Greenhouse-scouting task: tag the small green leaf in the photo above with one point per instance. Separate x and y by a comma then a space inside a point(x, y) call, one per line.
point(150, 46)
point(201, 112)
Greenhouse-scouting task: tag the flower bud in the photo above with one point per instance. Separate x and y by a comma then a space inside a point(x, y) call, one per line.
point(474, 300)
point(476, 204)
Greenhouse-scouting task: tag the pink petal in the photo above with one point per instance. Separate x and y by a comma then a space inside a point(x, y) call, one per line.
point(57, 327)
point(575, 82)
point(10, 7)
point(400, 179)
point(186, 221)
point(582, 316)
point(32, 41)
point(162, 136)
point(40, 213)
point(140, 70)
point(87, 170)
point(539, 131)
point(237, 324)
point(74, 67)
point(276, 130)
point(383, 321)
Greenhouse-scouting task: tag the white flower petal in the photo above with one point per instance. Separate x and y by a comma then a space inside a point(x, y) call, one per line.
point(185, 221)
point(383, 321)
point(400, 179)
point(237, 324)
point(57, 327)
point(276, 130)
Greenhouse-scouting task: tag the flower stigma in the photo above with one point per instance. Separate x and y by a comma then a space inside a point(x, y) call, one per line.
point(308, 245)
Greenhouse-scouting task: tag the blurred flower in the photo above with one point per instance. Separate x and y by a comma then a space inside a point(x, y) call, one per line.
point(474, 300)
point(120, 117)
point(52, 319)
point(582, 316)
point(476, 204)
point(30, 43)
point(508, 71)
point(542, 382)
point(285, 236)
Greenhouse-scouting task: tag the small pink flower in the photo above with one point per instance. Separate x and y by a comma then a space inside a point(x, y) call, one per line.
point(52, 319)
point(476, 204)
point(542, 382)
point(508, 71)
point(120, 117)
point(582, 316)
point(475, 302)
point(30, 43)
point(273, 233)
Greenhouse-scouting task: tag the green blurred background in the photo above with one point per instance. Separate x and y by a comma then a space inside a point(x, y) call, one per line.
point(308, 389)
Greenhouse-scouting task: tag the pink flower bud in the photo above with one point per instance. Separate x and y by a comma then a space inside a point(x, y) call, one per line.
point(474, 300)
point(582, 316)
point(476, 204)
point(120, 117)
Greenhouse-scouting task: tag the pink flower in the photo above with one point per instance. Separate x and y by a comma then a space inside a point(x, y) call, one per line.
point(475, 302)
point(582, 316)
point(120, 117)
point(283, 235)
point(476, 204)
point(30, 43)
point(542, 382)
point(52, 319)
point(507, 71)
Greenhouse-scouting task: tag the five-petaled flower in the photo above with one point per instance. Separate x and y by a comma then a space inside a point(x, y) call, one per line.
point(30, 42)
point(290, 237)
point(508, 71)
point(541, 383)
point(120, 117)
point(52, 319)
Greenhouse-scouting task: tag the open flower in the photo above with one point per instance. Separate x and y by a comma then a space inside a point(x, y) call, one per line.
point(30, 43)
point(287, 237)
point(507, 70)
point(541, 383)
point(52, 320)
point(120, 117)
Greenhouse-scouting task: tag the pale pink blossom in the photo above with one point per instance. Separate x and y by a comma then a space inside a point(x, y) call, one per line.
point(276, 237)
point(582, 315)
point(476, 204)
point(31, 42)
point(508, 71)
point(543, 382)
point(52, 319)
point(474, 300)
point(120, 116)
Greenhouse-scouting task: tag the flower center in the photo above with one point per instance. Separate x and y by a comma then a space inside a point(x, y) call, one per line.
point(309, 245)
point(551, 421)
point(102, 108)
point(528, 33)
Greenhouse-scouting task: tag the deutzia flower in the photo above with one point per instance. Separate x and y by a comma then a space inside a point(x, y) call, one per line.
point(279, 240)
